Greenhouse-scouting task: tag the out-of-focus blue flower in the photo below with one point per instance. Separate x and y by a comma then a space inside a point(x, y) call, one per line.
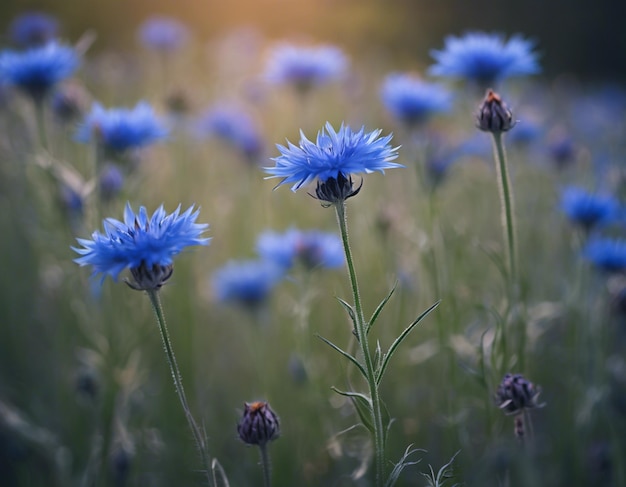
point(36, 71)
point(246, 282)
point(33, 29)
point(312, 248)
point(607, 254)
point(234, 126)
point(484, 58)
point(413, 101)
point(527, 130)
point(145, 245)
point(588, 209)
point(334, 154)
point(122, 129)
point(561, 147)
point(163, 34)
point(69, 102)
point(111, 181)
point(305, 67)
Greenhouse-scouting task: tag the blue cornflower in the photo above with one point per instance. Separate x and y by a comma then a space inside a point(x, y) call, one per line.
point(607, 254)
point(411, 100)
point(587, 209)
point(247, 282)
point(163, 34)
point(110, 182)
point(121, 129)
point(332, 159)
point(485, 58)
point(233, 125)
point(33, 29)
point(143, 244)
point(37, 71)
point(311, 248)
point(305, 67)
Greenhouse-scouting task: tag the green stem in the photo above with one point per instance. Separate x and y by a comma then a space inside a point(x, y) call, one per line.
point(379, 434)
point(41, 123)
point(508, 216)
point(155, 300)
point(265, 463)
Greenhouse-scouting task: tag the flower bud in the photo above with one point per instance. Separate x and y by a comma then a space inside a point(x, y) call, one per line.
point(493, 115)
point(259, 424)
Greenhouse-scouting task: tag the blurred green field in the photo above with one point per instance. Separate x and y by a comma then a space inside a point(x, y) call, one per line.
point(86, 396)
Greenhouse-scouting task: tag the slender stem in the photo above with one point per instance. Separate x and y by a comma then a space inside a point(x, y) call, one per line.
point(265, 463)
point(508, 216)
point(198, 436)
point(41, 122)
point(379, 434)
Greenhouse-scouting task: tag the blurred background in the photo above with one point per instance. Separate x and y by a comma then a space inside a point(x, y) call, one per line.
point(574, 36)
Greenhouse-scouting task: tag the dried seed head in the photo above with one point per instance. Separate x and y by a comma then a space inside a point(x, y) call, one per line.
point(515, 394)
point(493, 115)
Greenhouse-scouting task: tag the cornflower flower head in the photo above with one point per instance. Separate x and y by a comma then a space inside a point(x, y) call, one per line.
point(413, 101)
point(484, 58)
point(120, 129)
point(33, 29)
point(145, 245)
point(234, 126)
point(246, 282)
point(110, 182)
point(607, 254)
point(515, 394)
point(305, 67)
point(588, 209)
point(38, 70)
point(259, 424)
point(313, 249)
point(332, 159)
point(163, 34)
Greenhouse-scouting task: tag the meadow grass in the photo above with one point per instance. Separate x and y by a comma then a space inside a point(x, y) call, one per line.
point(86, 396)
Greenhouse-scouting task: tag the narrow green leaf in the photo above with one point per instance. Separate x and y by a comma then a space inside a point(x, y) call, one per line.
point(377, 355)
point(379, 308)
point(402, 464)
point(345, 354)
point(349, 309)
point(399, 340)
point(363, 406)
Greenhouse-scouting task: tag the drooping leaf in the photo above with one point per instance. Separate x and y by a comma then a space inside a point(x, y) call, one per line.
point(345, 354)
point(363, 406)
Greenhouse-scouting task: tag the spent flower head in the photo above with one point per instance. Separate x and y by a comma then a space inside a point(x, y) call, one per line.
point(163, 33)
point(413, 101)
point(145, 245)
point(33, 29)
point(38, 70)
point(120, 129)
point(485, 58)
point(305, 67)
point(332, 159)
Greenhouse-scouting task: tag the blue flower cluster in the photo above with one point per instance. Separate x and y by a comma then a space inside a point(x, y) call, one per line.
point(233, 125)
point(32, 29)
point(312, 249)
point(334, 154)
point(122, 129)
point(140, 241)
point(38, 70)
point(248, 282)
point(588, 209)
point(163, 34)
point(413, 101)
point(484, 58)
point(305, 67)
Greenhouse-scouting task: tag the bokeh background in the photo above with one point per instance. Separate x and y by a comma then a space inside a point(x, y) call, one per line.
point(575, 36)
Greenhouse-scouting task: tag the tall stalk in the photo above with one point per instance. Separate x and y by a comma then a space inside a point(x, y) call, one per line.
point(360, 325)
point(198, 436)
